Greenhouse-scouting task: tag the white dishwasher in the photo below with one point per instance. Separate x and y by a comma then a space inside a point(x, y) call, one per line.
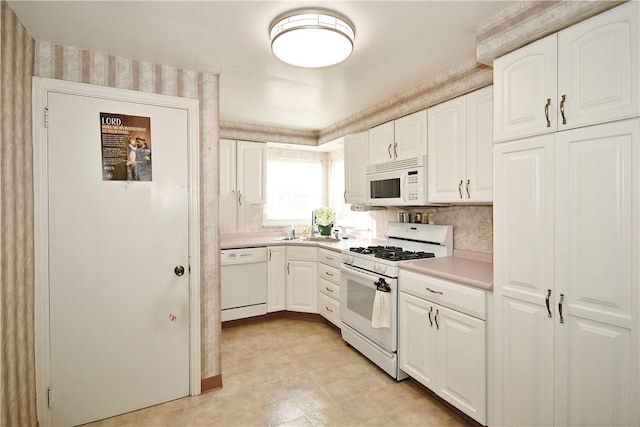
point(244, 282)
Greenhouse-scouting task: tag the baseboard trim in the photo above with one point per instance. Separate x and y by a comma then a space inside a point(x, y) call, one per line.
point(211, 383)
point(309, 317)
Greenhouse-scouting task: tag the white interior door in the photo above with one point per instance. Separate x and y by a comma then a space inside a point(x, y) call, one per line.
point(119, 314)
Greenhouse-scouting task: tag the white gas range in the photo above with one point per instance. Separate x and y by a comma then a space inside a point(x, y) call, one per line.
point(366, 270)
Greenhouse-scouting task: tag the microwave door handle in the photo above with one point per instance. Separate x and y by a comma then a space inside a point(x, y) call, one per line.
point(403, 187)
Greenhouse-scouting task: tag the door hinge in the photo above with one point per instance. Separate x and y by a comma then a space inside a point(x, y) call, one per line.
point(46, 117)
point(50, 397)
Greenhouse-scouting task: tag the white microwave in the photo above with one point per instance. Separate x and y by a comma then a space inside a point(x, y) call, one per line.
point(399, 183)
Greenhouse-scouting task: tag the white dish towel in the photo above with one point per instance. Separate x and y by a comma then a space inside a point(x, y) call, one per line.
point(381, 316)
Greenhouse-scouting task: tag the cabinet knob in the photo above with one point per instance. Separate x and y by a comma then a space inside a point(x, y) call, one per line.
point(178, 270)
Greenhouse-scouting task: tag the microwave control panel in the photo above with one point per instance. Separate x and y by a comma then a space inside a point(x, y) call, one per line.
point(413, 186)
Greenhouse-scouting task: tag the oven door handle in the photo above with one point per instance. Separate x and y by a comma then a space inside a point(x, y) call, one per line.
point(369, 279)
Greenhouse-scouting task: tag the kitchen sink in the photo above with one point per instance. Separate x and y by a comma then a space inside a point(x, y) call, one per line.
point(323, 239)
point(290, 238)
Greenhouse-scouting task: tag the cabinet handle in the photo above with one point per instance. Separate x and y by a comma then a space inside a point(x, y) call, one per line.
point(430, 321)
point(288, 271)
point(468, 183)
point(328, 309)
point(562, 101)
point(239, 198)
point(546, 112)
point(328, 289)
point(328, 274)
point(395, 149)
point(389, 150)
point(434, 292)
point(436, 319)
point(560, 308)
point(547, 302)
point(328, 258)
point(460, 189)
point(345, 196)
point(269, 254)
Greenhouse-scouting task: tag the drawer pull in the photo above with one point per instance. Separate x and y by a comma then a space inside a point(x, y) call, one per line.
point(328, 309)
point(328, 288)
point(434, 292)
point(328, 258)
point(328, 274)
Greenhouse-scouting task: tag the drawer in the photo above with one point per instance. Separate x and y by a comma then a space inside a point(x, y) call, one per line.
point(326, 256)
point(301, 253)
point(329, 273)
point(329, 289)
point(329, 309)
point(454, 295)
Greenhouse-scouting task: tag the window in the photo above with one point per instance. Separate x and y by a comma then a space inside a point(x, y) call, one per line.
point(295, 185)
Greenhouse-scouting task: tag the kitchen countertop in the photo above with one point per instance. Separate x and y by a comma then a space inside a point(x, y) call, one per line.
point(469, 268)
point(249, 240)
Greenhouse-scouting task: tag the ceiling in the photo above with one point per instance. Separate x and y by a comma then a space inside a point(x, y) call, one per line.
point(398, 44)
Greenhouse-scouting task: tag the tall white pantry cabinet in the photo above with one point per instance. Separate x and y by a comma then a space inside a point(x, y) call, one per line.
point(567, 230)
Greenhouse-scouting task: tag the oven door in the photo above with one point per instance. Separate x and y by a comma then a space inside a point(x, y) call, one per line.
point(357, 292)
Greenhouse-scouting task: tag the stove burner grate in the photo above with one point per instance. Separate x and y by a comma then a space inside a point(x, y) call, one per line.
point(392, 253)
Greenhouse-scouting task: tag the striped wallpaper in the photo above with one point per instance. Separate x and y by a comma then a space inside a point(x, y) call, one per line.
point(17, 352)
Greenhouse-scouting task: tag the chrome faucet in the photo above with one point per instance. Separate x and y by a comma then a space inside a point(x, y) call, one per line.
point(312, 232)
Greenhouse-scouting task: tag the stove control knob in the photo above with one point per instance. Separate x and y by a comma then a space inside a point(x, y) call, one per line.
point(376, 267)
point(383, 269)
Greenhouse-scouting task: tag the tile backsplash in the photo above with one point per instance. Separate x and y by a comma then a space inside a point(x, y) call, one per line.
point(472, 225)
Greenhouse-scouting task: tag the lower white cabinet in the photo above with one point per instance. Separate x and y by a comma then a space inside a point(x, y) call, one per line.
point(276, 278)
point(442, 348)
point(302, 279)
point(329, 285)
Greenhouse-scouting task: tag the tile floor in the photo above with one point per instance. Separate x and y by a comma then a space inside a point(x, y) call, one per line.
point(286, 372)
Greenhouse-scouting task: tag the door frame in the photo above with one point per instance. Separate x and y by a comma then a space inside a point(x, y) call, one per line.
point(41, 88)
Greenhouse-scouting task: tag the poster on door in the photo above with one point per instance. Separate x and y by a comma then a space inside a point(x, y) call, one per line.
point(126, 147)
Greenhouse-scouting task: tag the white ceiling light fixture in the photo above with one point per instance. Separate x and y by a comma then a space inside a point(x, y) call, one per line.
point(312, 38)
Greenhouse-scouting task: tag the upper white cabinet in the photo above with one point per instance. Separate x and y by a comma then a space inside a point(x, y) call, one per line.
point(356, 156)
point(252, 167)
point(242, 179)
point(400, 139)
point(460, 138)
point(227, 215)
point(586, 74)
point(566, 282)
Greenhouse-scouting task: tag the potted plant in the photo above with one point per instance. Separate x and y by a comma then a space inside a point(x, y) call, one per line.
point(324, 218)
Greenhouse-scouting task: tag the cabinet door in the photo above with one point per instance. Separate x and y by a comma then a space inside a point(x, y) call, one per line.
point(276, 279)
point(598, 68)
point(461, 362)
point(523, 366)
point(252, 165)
point(524, 90)
point(381, 140)
point(416, 342)
point(302, 288)
point(356, 157)
point(410, 136)
point(479, 145)
point(227, 216)
point(597, 193)
point(446, 159)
